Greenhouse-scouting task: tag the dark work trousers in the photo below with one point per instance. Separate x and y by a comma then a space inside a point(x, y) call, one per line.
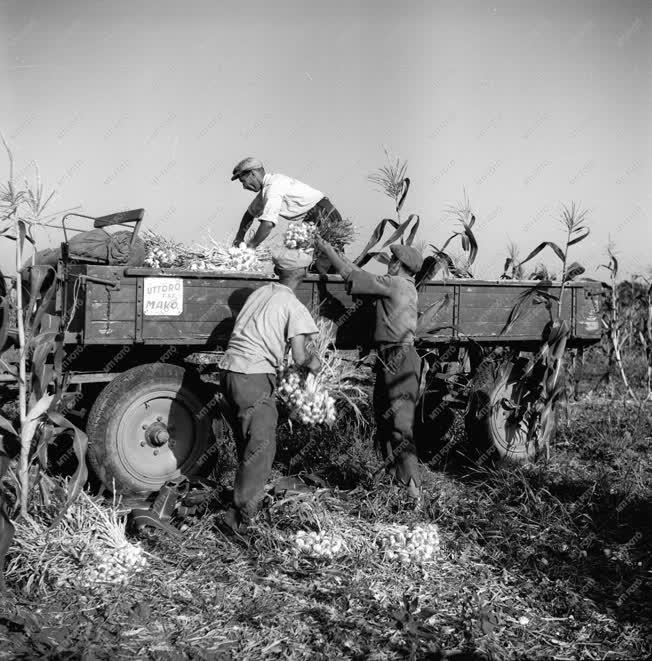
point(321, 212)
point(252, 396)
point(398, 370)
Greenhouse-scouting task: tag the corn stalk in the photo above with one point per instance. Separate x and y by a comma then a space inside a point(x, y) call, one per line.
point(392, 180)
point(21, 210)
point(645, 330)
point(613, 323)
point(549, 359)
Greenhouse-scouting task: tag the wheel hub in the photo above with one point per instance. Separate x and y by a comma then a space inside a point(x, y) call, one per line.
point(157, 435)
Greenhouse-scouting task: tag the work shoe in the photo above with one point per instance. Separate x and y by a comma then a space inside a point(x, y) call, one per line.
point(230, 525)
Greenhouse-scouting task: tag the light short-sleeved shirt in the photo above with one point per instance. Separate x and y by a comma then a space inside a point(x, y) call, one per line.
point(269, 319)
point(284, 197)
point(396, 304)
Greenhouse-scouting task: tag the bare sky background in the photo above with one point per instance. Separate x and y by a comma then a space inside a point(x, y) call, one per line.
point(525, 105)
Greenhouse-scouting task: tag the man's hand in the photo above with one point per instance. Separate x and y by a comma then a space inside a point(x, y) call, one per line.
point(322, 245)
point(245, 224)
point(313, 365)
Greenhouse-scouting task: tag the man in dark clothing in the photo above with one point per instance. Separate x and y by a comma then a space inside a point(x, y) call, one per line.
point(398, 366)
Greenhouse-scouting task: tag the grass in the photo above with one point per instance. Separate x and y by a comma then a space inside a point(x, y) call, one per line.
point(543, 561)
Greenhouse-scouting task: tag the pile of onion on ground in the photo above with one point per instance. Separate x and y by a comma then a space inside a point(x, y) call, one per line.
point(85, 548)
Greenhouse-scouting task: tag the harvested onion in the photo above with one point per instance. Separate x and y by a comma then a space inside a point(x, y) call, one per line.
point(307, 400)
point(300, 236)
point(114, 566)
point(319, 544)
point(415, 546)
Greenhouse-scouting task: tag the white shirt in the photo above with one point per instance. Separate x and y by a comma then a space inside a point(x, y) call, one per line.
point(284, 197)
point(268, 320)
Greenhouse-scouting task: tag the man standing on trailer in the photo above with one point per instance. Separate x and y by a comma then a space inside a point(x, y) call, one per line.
point(278, 196)
point(398, 366)
point(271, 318)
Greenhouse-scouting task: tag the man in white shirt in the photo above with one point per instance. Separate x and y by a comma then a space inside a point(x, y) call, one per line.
point(278, 196)
point(271, 319)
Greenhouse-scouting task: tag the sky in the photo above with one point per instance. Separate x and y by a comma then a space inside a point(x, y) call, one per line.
point(523, 106)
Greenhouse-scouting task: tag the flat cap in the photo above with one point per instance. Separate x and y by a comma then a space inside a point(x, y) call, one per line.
point(288, 259)
point(408, 256)
point(245, 165)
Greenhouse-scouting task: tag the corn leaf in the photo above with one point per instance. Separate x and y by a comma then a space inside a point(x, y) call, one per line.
point(42, 371)
point(8, 427)
point(536, 294)
point(553, 246)
point(33, 419)
point(46, 435)
point(406, 188)
point(6, 538)
point(80, 447)
point(585, 232)
point(6, 319)
point(400, 230)
point(428, 316)
point(573, 271)
point(376, 235)
point(382, 257)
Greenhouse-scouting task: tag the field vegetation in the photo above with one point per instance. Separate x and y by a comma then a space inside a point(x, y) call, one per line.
point(545, 560)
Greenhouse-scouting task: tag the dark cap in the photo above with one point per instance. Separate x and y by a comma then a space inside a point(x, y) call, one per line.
point(408, 256)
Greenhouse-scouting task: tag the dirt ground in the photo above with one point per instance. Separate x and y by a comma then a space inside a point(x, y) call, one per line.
point(545, 561)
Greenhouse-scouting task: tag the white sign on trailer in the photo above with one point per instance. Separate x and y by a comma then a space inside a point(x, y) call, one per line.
point(163, 297)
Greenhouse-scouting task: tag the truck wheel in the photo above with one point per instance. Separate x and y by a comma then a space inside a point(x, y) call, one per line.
point(498, 420)
point(151, 424)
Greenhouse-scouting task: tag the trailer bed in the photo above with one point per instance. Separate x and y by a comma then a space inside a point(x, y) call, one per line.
point(115, 305)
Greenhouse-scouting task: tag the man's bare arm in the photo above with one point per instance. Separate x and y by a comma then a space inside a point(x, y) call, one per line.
point(263, 232)
point(309, 361)
point(245, 224)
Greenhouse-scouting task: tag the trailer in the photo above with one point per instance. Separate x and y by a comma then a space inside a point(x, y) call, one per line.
point(127, 335)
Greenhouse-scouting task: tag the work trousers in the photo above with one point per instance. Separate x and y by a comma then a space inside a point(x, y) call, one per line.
point(322, 211)
point(252, 396)
point(398, 370)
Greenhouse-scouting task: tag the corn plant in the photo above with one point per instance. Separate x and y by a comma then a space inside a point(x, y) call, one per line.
point(612, 322)
point(644, 328)
point(395, 184)
point(548, 361)
point(513, 270)
point(392, 180)
point(449, 264)
point(22, 210)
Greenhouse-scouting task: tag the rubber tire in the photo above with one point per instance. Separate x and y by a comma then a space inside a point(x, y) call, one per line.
point(487, 389)
point(105, 450)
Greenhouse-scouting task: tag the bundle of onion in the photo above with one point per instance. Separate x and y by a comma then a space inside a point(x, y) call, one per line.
point(115, 565)
point(319, 544)
point(164, 253)
point(85, 547)
point(306, 397)
point(240, 259)
point(341, 375)
point(416, 546)
point(300, 236)
point(215, 256)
